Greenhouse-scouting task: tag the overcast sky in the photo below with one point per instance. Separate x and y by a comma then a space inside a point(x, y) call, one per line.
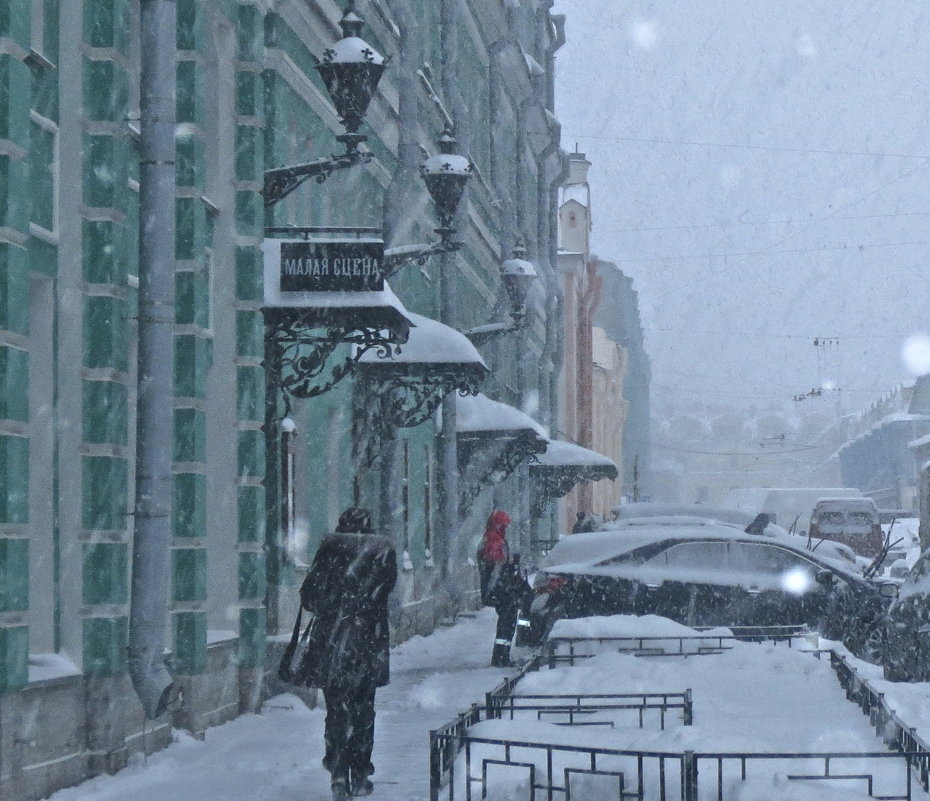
point(761, 168)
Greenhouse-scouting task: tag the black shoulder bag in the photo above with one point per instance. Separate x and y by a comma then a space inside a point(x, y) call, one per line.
point(285, 669)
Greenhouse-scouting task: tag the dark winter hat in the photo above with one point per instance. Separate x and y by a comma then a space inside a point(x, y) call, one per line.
point(354, 520)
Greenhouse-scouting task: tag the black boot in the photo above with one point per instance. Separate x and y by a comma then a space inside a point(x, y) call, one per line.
point(359, 783)
point(500, 656)
point(340, 790)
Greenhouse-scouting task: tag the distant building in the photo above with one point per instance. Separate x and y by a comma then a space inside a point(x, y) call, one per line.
point(618, 315)
point(878, 460)
point(606, 374)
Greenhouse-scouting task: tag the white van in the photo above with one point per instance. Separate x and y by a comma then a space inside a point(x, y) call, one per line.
point(784, 505)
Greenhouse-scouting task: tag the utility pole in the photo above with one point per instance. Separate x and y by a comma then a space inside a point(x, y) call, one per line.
point(155, 416)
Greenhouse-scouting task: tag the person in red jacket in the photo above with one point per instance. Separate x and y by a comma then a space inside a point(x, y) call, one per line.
point(493, 552)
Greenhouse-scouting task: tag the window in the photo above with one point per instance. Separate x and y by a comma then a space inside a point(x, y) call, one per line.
point(43, 174)
point(920, 570)
point(765, 558)
point(698, 555)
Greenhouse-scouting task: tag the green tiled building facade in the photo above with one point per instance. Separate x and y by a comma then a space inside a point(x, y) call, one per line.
point(248, 98)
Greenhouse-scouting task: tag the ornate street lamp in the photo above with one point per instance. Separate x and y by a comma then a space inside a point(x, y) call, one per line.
point(518, 275)
point(446, 175)
point(351, 70)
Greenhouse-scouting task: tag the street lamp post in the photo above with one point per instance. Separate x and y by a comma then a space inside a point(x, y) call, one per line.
point(518, 276)
point(351, 70)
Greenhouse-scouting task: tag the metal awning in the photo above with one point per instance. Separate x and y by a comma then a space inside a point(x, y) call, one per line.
point(569, 457)
point(411, 382)
point(493, 440)
point(561, 467)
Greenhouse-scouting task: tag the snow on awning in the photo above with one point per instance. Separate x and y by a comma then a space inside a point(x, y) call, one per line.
point(560, 468)
point(566, 456)
point(494, 440)
point(430, 346)
point(479, 415)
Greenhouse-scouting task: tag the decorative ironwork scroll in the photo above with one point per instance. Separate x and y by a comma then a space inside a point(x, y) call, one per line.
point(548, 482)
point(490, 458)
point(301, 354)
point(406, 399)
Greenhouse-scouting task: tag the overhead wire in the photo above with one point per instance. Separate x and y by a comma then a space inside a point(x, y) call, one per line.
point(758, 223)
point(742, 146)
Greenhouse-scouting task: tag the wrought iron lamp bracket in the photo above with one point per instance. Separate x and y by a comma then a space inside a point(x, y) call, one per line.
point(281, 181)
point(483, 334)
point(302, 354)
point(395, 258)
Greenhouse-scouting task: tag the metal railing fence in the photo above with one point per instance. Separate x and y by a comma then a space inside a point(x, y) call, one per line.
point(889, 726)
point(670, 645)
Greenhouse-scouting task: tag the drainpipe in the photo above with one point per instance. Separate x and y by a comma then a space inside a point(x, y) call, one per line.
point(447, 443)
point(155, 425)
point(399, 212)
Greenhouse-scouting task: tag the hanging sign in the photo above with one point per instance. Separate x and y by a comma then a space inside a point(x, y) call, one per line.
point(331, 266)
point(295, 269)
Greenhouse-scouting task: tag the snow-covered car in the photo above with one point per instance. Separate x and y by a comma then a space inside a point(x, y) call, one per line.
point(704, 573)
point(639, 514)
point(906, 652)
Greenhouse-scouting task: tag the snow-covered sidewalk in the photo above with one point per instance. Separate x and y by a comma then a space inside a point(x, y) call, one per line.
point(755, 697)
point(275, 756)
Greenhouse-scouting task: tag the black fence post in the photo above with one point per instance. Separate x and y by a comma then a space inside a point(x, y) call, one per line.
point(435, 767)
point(689, 777)
point(688, 711)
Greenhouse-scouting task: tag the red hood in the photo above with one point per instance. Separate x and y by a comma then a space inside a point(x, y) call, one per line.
point(498, 521)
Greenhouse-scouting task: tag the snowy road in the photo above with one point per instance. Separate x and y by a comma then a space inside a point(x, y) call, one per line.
point(756, 698)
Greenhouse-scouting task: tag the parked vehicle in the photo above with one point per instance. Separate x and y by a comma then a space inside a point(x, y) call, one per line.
point(790, 507)
point(704, 573)
point(851, 521)
point(638, 514)
point(906, 652)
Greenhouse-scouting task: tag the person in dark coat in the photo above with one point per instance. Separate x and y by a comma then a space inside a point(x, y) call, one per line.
point(347, 591)
point(510, 594)
point(584, 523)
point(493, 551)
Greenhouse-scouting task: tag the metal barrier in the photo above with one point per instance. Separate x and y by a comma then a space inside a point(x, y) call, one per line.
point(704, 644)
point(662, 776)
point(737, 767)
point(575, 705)
point(547, 773)
point(656, 775)
point(888, 725)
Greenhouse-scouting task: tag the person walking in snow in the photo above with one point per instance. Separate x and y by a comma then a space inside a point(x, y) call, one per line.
point(510, 594)
point(493, 552)
point(347, 589)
